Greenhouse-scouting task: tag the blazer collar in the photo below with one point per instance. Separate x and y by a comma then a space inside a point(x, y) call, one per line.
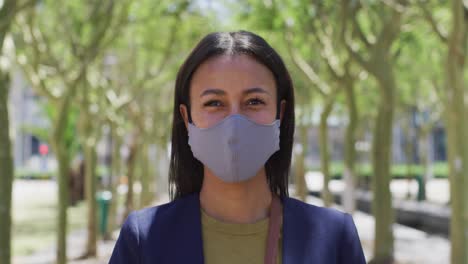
point(188, 232)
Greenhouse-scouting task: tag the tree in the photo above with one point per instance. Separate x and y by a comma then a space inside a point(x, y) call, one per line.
point(90, 100)
point(371, 48)
point(313, 46)
point(457, 128)
point(8, 10)
point(6, 159)
point(455, 111)
point(268, 20)
point(328, 95)
point(56, 60)
point(137, 104)
point(419, 108)
point(325, 30)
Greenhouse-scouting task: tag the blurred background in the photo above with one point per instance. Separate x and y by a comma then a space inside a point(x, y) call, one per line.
point(86, 91)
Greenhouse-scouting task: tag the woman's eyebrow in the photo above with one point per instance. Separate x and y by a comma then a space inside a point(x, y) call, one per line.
point(216, 91)
point(255, 90)
point(212, 91)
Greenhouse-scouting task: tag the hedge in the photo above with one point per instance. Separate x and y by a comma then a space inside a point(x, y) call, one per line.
point(398, 171)
point(28, 174)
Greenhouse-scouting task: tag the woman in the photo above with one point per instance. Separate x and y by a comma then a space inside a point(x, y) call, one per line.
point(232, 139)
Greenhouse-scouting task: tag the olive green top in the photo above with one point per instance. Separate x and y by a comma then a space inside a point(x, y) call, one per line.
point(234, 243)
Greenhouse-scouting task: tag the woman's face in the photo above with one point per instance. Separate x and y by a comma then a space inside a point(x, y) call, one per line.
point(225, 85)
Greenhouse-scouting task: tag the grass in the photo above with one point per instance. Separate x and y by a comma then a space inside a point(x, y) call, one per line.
point(34, 217)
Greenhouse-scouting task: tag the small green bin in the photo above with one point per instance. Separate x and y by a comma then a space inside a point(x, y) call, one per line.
point(421, 188)
point(104, 199)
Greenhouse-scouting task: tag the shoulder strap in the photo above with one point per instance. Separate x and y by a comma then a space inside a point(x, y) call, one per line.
point(274, 229)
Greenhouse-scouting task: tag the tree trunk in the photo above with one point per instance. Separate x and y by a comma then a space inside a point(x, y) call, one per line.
point(131, 160)
point(458, 222)
point(381, 158)
point(90, 191)
point(60, 145)
point(426, 161)
point(146, 190)
point(154, 170)
point(115, 177)
point(88, 143)
point(63, 159)
point(349, 200)
point(301, 186)
point(457, 129)
point(7, 13)
point(408, 149)
point(6, 177)
point(327, 196)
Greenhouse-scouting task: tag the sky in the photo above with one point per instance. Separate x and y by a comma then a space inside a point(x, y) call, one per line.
point(224, 14)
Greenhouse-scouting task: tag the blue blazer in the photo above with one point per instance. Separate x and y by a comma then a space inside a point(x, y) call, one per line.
point(171, 233)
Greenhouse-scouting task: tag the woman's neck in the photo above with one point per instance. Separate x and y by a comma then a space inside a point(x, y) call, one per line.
point(244, 202)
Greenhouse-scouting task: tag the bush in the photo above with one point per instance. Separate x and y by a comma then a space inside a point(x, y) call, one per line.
point(26, 174)
point(398, 171)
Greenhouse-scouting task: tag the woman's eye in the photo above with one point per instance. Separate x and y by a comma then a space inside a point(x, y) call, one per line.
point(212, 103)
point(255, 101)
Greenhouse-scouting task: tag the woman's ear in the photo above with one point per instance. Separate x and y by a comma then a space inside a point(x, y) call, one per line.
point(282, 109)
point(184, 113)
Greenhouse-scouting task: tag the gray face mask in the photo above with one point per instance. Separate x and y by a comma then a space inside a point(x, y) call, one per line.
point(236, 148)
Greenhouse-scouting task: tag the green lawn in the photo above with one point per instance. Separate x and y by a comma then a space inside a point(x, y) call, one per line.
point(34, 216)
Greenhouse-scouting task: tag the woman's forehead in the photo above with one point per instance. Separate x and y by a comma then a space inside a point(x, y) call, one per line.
point(232, 72)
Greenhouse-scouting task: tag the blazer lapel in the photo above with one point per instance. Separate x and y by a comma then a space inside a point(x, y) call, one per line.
point(184, 237)
point(292, 238)
point(297, 233)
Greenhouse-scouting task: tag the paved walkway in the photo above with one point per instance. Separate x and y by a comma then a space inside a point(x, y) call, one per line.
point(411, 246)
point(76, 243)
point(75, 246)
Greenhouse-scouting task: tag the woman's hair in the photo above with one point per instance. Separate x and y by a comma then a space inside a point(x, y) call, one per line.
point(186, 172)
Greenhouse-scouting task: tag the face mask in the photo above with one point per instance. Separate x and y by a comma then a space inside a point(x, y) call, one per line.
point(236, 148)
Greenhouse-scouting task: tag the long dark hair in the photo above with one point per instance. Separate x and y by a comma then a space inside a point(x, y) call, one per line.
point(186, 172)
